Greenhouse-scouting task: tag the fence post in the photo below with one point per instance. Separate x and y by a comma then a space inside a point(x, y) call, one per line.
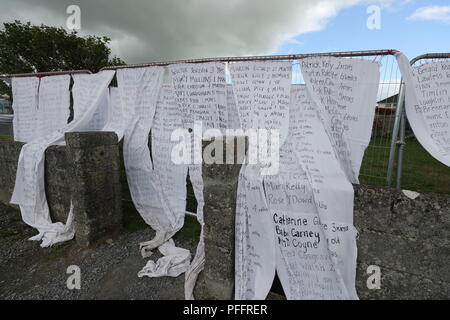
point(401, 148)
point(395, 131)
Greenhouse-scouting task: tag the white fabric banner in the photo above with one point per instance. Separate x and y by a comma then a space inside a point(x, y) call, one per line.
point(139, 90)
point(25, 106)
point(427, 104)
point(262, 93)
point(345, 92)
point(54, 104)
point(29, 189)
point(255, 255)
point(200, 92)
point(311, 207)
point(233, 116)
point(262, 90)
point(116, 117)
point(169, 180)
point(82, 93)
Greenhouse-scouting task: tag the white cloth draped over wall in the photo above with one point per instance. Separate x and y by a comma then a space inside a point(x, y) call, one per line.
point(427, 104)
point(311, 192)
point(139, 90)
point(262, 92)
point(345, 94)
point(54, 104)
point(25, 106)
point(307, 209)
point(169, 180)
point(29, 189)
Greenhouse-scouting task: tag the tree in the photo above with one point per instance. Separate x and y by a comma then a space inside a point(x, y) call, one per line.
point(29, 48)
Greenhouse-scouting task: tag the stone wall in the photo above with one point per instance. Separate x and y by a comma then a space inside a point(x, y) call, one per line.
point(56, 177)
point(409, 240)
point(86, 172)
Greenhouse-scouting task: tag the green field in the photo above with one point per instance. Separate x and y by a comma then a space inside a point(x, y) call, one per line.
point(5, 137)
point(421, 172)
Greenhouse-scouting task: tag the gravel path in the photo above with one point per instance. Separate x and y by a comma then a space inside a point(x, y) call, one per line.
point(108, 271)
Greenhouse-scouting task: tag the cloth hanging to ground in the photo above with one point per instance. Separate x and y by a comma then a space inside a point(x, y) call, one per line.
point(200, 92)
point(308, 207)
point(262, 94)
point(25, 106)
point(139, 90)
point(427, 104)
point(170, 181)
point(311, 206)
point(29, 189)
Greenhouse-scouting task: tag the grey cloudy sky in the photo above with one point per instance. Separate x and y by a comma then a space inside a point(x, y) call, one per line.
point(151, 30)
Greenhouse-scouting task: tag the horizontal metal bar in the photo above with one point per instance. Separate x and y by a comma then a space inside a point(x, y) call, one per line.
point(431, 56)
point(44, 74)
point(259, 58)
point(205, 60)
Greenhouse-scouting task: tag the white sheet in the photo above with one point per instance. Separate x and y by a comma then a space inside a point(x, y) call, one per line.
point(200, 92)
point(29, 189)
point(82, 93)
point(261, 90)
point(345, 93)
point(428, 104)
point(139, 89)
point(262, 93)
point(54, 104)
point(311, 205)
point(25, 106)
point(116, 116)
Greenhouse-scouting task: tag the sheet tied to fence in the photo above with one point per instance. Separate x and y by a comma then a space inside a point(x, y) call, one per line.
point(25, 106)
point(54, 105)
point(300, 221)
point(262, 95)
point(200, 92)
point(82, 92)
point(29, 189)
point(345, 94)
point(427, 104)
point(139, 90)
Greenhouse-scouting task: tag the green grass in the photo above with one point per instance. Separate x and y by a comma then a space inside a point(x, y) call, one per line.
point(421, 172)
point(6, 137)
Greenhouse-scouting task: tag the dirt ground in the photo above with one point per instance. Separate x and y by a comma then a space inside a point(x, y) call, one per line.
point(108, 270)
